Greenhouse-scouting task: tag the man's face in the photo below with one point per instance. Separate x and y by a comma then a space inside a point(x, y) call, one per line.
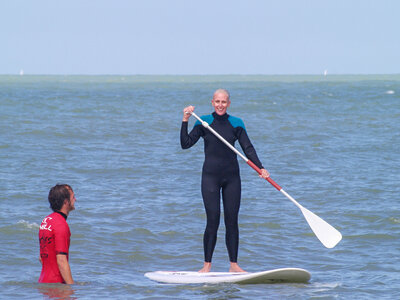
point(221, 103)
point(72, 200)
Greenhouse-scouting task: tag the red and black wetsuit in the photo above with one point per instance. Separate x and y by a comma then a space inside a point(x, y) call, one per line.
point(220, 172)
point(54, 238)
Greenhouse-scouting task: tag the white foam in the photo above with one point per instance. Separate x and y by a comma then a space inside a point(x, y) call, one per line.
point(29, 225)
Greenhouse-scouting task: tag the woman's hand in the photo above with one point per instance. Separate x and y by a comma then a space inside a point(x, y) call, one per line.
point(187, 112)
point(264, 174)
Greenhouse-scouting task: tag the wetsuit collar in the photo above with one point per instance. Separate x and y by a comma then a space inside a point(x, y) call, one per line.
point(62, 214)
point(220, 118)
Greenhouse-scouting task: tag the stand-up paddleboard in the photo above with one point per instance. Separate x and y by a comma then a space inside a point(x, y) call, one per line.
point(287, 275)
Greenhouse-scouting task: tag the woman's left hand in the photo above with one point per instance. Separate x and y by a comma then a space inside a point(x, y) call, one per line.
point(264, 174)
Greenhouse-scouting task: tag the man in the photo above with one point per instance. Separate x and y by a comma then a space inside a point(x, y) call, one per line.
point(54, 237)
point(220, 173)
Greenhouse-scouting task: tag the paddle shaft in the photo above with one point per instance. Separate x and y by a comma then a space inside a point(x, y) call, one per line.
point(326, 233)
point(248, 161)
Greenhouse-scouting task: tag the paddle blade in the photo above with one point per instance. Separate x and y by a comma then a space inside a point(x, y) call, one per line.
point(326, 233)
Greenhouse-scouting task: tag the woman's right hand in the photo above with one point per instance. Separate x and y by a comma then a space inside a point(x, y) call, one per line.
point(187, 112)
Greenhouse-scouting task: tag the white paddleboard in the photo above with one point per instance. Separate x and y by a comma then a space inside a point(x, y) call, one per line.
point(287, 275)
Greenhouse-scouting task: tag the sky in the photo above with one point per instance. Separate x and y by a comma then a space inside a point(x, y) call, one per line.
point(92, 37)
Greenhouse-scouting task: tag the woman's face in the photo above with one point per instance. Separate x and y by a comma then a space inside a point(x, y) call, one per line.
point(221, 103)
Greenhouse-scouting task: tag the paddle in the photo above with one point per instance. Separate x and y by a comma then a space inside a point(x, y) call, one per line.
point(326, 233)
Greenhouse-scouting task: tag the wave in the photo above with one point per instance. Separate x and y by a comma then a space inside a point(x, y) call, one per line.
point(28, 225)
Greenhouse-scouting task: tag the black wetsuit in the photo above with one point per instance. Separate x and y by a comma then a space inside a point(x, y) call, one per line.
point(220, 172)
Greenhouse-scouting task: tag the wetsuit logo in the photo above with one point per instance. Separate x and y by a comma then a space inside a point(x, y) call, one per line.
point(44, 241)
point(43, 226)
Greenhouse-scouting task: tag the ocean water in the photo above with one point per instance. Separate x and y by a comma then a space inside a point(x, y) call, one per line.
point(331, 142)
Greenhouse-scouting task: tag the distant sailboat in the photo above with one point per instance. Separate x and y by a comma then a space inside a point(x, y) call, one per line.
point(325, 72)
point(21, 72)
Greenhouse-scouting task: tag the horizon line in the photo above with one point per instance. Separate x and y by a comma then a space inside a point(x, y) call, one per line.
point(194, 74)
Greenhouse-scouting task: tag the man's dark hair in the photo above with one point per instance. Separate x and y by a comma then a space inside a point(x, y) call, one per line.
point(58, 194)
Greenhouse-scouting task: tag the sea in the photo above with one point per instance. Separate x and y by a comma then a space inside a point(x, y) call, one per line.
point(332, 142)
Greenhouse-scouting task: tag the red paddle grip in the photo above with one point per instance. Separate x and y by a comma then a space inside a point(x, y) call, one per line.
point(251, 164)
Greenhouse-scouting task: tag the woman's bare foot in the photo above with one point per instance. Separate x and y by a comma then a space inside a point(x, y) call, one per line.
point(235, 268)
point(206, 268)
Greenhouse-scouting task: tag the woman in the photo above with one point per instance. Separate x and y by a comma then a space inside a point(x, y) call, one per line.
point(220, 173)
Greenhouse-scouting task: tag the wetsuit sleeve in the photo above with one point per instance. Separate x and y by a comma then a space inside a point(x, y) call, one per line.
point(61, 238)
point(248, 147)
point(189, 139)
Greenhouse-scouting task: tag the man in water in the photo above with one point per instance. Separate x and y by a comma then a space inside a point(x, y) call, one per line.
point(54, 237)
point(220, 173)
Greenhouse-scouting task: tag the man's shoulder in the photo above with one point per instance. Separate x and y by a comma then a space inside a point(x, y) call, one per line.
point(50, 218)
point(56, 216)
point(52, 221)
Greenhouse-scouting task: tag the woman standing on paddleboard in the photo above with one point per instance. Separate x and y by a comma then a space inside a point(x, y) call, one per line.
point(220, 173)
